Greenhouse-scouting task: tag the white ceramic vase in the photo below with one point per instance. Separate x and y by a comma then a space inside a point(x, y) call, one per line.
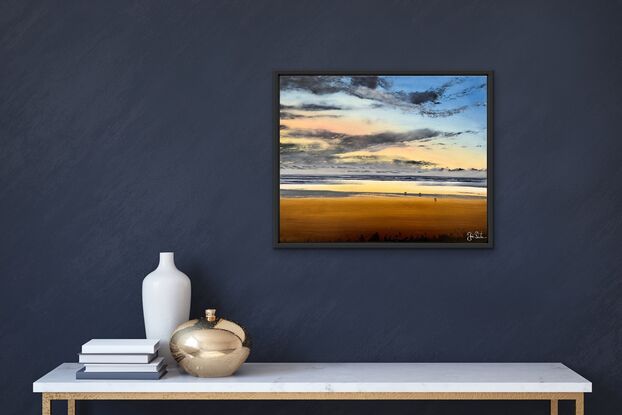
point(166, 302)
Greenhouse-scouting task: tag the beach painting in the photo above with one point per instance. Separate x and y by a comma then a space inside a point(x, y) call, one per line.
point(383, 160)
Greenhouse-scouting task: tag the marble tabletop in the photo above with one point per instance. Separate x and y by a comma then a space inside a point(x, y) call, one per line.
point(341, 377)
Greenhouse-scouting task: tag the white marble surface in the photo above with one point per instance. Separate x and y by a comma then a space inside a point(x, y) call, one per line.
point(341, 377)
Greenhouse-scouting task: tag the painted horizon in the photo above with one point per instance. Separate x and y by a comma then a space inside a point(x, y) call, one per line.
point(383, 160)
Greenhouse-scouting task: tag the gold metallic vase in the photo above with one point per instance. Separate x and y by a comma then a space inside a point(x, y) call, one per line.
point(210, 347)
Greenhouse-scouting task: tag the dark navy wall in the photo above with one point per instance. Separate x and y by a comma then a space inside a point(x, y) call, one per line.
point(133, 127)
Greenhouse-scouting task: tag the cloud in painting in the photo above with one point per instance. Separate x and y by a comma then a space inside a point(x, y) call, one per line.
point(376, 159)
point(312, 107)
point(316, 84)
point(385, 139)
point(331, 148)
point(417, 163)
point(371, 82)
point(377, 89)
point(322, 134)
point(418, 98)
point(432, 95)
point(466, 91)
point(285, 115)
point(291, 148)
point(346, 143)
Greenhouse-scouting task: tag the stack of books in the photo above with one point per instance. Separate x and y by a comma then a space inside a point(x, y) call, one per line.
point(121, 359)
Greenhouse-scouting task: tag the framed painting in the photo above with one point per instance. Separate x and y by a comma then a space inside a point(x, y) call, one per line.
point(383, 159)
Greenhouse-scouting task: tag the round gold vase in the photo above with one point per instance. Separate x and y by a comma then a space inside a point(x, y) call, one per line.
point(210, 347)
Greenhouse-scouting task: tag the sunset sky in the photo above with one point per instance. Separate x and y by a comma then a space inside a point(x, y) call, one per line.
point(433, 125)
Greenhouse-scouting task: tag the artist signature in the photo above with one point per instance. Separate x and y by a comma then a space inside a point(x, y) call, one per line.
point(470, 236)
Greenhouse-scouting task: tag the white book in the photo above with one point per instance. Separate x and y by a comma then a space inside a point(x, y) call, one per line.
point(154, 366)
point(120, 346)
point(116, 358)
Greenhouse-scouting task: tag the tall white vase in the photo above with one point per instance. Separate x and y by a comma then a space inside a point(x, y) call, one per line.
point(166, 302)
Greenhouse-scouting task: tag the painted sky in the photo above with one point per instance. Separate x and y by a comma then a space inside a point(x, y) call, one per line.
point(434, 125)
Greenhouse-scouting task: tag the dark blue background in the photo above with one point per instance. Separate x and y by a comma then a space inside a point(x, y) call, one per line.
point(129, 128)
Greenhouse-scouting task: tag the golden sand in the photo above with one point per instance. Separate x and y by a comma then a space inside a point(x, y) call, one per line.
point(397, 218)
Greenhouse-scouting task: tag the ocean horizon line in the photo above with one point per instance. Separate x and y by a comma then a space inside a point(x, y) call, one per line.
point(423, 179)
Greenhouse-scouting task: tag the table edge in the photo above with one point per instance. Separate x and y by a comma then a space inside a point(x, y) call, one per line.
point(582, 385)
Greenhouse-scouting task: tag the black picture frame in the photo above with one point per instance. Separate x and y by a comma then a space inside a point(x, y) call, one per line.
point(385, 245)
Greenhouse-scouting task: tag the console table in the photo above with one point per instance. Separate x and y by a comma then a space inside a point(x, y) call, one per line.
point(328, 381)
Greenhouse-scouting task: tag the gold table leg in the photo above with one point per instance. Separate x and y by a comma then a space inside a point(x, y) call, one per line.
point(554, 407)
point(71, 407)
point(579, 405)
point(45, 405)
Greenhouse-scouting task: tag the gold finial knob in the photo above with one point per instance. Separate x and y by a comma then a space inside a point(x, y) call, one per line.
point(210, 314)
